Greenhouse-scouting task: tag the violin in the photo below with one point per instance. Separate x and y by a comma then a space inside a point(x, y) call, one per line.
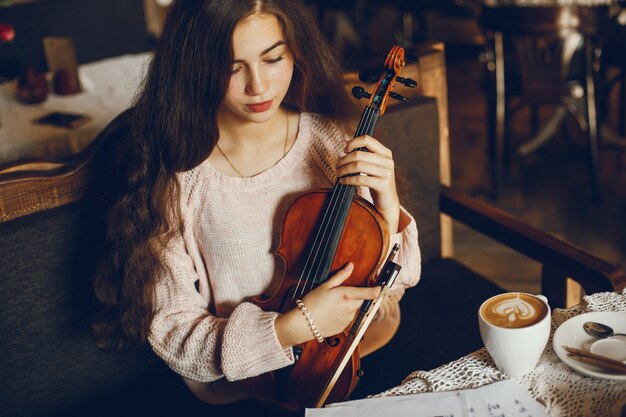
point(322, 231)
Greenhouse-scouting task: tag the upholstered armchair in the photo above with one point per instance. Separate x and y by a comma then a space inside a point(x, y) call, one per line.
point(50, 364)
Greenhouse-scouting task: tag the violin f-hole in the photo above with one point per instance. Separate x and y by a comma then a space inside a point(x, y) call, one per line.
point(288, 299)
point(333, 341)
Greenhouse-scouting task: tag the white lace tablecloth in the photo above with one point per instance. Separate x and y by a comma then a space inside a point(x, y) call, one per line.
point(560, 389)
point(109, 87)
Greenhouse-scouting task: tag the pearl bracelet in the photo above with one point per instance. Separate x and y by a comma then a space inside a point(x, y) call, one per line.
point(309, 319)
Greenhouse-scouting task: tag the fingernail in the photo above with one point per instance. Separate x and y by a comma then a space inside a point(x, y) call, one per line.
point(350, 265)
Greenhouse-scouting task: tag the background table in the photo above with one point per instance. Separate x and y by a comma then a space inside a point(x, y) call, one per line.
point(109, 87)
point(559, 388)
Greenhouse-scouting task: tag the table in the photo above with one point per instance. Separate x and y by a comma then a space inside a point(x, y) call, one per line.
point(560, 389)
point(109, 87)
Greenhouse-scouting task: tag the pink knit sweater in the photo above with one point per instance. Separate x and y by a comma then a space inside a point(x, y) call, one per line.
point(204, 327)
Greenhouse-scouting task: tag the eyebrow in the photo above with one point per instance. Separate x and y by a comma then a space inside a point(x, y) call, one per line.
point(276, 45)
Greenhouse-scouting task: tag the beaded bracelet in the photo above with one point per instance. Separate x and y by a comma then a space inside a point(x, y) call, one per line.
point(309, 319)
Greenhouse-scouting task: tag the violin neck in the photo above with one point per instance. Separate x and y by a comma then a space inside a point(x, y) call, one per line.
point(366, 126)
point(368, 122)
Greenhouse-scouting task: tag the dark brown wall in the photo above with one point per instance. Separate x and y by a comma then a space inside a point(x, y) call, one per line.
point(100, 28)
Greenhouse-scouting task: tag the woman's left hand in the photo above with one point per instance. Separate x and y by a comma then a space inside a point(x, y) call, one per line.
point(380, 177)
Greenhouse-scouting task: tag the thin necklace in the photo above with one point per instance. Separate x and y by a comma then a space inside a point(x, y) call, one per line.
point(235, 168)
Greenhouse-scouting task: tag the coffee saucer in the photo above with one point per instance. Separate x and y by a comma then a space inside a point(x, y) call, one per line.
point(571, 333)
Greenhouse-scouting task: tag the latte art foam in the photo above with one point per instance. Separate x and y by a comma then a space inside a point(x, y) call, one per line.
point(514, 310)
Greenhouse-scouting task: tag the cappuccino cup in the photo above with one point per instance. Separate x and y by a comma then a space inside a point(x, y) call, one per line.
point(515, 328)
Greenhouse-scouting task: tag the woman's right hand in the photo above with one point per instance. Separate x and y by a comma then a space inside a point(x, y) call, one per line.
point(332, 308)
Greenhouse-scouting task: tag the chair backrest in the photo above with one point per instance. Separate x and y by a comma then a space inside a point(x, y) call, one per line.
point(411, 131)
point(50, 362)
point(544, 40)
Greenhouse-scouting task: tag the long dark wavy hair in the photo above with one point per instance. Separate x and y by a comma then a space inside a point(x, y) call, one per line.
point(174, 128)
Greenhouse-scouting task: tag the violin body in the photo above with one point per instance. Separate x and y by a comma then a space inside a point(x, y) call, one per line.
point(365, 242)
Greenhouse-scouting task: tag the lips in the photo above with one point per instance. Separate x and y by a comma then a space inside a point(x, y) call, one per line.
point(260, 107)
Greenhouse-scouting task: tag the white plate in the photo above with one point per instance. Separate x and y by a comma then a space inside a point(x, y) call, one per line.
point(571, 334)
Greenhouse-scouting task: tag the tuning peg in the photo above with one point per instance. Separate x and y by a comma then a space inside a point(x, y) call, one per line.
point(367, 77)
point(398, 97)
point(407, 82)
point(359, 92)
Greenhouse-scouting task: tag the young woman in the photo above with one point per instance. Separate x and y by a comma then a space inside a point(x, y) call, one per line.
point(242, 110)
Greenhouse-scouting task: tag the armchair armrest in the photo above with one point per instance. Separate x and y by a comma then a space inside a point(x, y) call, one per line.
point(31, 186)
point(560, 260)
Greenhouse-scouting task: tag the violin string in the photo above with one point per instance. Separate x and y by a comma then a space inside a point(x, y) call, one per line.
point(344, 190)
point(313, 269)
point(343, 193)
point(307, 271)
point(347, 191)
point(314, 249)
point(325, 241)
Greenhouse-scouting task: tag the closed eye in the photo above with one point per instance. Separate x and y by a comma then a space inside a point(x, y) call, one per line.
point(275, 60)
point(238, 68)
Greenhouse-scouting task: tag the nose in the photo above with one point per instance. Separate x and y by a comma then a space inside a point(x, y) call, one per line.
point(257, 82)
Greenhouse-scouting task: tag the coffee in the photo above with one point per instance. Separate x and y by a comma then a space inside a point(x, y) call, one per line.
point(515, 328)
point(513, 310)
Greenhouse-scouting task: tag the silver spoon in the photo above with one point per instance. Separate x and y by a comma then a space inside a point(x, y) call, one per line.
point(600, 330)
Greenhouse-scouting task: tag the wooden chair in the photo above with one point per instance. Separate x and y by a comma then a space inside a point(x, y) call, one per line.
point(614, 73)
point(50, 364)
point(531, 50)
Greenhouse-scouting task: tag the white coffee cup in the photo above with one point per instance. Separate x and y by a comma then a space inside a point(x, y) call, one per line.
point(515, 328)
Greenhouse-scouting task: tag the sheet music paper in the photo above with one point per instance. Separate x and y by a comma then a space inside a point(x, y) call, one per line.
point(500, 399)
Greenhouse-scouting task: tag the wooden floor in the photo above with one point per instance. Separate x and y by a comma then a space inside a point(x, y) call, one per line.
point(549, 189)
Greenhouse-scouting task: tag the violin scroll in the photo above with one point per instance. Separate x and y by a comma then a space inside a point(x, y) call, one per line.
point(385, 82)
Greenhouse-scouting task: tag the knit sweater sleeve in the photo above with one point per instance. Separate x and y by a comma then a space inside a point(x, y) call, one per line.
point(200, 346)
